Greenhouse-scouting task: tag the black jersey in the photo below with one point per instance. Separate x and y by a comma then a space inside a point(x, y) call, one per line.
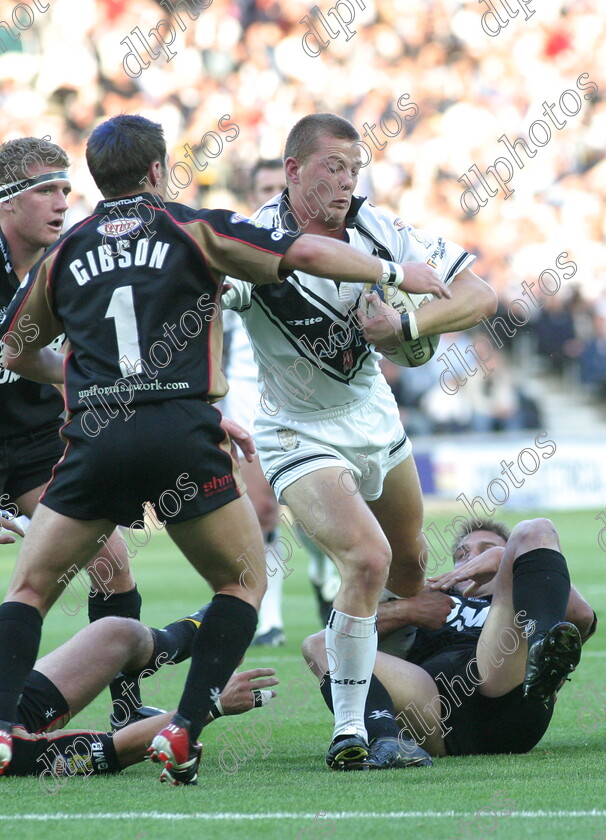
point(461, 630)
point(24, 405)
point(136, 287)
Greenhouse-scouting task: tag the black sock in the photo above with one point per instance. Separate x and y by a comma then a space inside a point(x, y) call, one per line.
point(379, 713)
point(123, 604)
point(20, 630)
point(219, 645)
point(541, 588)
point(172, 644)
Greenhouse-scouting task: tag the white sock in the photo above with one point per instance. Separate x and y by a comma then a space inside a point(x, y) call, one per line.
point(270, 612)
point(351, 646)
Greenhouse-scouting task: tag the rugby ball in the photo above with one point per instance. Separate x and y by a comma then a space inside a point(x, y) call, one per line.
point(417, 351)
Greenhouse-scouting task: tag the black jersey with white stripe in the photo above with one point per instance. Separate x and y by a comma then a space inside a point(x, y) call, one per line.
point(136, 287)
point(25, 406)
point(461, 629)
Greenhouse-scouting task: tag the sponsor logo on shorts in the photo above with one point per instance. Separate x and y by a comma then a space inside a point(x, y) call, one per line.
point(73, 765)
point(288, 440)
point(217, 484)
point(119, 227)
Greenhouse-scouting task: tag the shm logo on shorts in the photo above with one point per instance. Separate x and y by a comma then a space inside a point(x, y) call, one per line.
point(288, 440)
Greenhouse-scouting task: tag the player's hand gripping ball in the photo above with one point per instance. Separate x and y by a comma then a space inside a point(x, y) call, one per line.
point(411, 353)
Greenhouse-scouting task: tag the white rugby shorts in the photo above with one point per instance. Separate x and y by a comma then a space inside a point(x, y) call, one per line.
point(366, 438)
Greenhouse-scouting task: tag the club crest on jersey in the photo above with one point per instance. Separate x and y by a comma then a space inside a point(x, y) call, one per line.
point(288, 440)
point(119, 227)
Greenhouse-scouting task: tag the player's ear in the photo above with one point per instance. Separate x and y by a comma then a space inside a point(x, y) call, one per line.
point(291, 168)
point(156, 172)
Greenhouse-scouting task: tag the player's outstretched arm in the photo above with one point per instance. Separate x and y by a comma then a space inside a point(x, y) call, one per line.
point(323, 256)
point(240, 695)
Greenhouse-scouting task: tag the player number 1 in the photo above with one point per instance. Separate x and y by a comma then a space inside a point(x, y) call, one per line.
point(122, 309)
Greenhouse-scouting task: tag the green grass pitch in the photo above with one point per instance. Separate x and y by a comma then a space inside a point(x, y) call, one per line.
point(283, 790)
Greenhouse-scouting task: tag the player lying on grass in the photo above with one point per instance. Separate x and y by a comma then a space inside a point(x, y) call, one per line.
point(486, 681)
point(65, 681)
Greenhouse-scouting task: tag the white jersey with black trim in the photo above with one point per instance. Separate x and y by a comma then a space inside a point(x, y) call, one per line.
point(241, 365)
point(305, 334)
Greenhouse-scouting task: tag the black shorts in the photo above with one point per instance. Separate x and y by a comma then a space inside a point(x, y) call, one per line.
point(41, 707)
point(173, 454)
point(26, 461)
point(478, 725)
point(54, 757)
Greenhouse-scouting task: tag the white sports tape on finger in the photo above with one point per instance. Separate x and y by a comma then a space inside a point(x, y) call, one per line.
point(261, 696)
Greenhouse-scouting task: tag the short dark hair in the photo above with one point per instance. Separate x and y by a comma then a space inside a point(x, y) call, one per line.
point(17, 157)
point(303, 137)
point(463, 531)
point(120, 151)
point(269, 163)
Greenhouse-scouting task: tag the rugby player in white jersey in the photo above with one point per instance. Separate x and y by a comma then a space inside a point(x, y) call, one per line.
point(329, 434)
point(267, 180)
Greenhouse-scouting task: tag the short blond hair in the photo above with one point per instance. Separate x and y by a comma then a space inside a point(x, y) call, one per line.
point(18, 157)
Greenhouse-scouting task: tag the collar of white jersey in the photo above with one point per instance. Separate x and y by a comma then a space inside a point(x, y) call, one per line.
point(354, 208)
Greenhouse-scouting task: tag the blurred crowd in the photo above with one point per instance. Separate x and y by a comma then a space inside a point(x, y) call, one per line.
point(244, 61)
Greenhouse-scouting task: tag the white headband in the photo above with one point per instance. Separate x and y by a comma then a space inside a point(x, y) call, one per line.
point(8, 191)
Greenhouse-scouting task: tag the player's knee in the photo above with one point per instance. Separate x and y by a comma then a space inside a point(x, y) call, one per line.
point(533, 533)
point(120, 630)
point(368, 565)
point(313, 648)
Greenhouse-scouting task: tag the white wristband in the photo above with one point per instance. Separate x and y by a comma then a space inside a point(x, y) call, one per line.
point(217, 710)
point(414, 329)
point(392, 273)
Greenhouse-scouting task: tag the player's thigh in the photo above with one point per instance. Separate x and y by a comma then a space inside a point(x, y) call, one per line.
point(260, 494)
point(399, 511)
point(224, 544)
point(28, 501)
point(416, 700)
point(502, 649)
point(52, 544)
point(338, 519)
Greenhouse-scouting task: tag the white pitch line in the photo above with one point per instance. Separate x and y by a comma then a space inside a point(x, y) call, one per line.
point(345, 815)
